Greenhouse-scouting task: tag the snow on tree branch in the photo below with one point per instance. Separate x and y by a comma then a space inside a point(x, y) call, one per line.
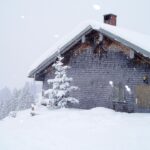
point(59, 94)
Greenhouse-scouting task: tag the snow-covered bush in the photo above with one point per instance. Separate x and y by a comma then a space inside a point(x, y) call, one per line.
point(13, 114)
point(40, 100)
point(59, 94)
point(33, 110)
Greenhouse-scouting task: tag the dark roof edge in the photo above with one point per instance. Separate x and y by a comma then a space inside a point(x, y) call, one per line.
point(110, 14)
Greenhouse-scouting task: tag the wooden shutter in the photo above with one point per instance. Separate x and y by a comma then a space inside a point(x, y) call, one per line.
point(143, 96)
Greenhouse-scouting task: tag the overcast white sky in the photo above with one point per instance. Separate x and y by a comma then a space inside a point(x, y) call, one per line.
point(29, 27)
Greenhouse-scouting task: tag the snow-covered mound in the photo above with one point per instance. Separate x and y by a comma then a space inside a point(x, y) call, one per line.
point(71, 129)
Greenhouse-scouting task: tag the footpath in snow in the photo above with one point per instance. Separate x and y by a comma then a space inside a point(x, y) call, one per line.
point(73, 129)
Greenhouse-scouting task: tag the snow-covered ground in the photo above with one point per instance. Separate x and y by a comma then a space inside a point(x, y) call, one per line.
point(72, 129)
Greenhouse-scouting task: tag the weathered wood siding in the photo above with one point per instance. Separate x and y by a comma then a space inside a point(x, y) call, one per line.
point(93, 71)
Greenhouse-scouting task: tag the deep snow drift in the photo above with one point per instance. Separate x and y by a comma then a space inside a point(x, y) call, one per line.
point(71, 129)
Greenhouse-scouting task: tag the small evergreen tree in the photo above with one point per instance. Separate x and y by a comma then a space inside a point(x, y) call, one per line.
point(26, 97)
point(59, 94)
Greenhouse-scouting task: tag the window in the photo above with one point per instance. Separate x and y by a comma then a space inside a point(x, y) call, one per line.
point(118, 92)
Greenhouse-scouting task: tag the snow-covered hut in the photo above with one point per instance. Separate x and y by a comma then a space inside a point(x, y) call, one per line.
point(110, 65)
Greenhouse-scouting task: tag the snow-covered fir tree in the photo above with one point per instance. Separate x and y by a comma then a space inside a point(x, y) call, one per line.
point(18, 99)
point(59, 93)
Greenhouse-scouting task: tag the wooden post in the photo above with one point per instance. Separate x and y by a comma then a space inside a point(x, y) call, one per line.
point(83, 39)
point(131, 54)
point(100, 37)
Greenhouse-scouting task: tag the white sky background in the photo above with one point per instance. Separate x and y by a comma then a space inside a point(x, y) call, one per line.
point(29, 27)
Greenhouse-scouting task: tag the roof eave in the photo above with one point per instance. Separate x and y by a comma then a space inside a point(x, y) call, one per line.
point(62, 49)
point(74, 40)
point(125, 42)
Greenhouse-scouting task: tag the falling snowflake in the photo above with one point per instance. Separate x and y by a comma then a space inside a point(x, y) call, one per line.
point(56, 36)
point(128, 89)
point(111, 83)
point(96, 7)
point(22, 17)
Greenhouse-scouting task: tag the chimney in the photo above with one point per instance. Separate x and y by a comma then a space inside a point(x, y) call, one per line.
point(110, 19)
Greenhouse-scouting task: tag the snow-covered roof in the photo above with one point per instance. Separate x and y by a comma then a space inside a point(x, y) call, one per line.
point(137, 41)
point(134, 40)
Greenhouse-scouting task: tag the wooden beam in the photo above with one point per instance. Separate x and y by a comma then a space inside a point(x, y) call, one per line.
point(131, 54)
point(83, 39)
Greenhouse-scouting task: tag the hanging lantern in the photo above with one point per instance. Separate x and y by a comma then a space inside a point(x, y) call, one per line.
point(145, 79)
